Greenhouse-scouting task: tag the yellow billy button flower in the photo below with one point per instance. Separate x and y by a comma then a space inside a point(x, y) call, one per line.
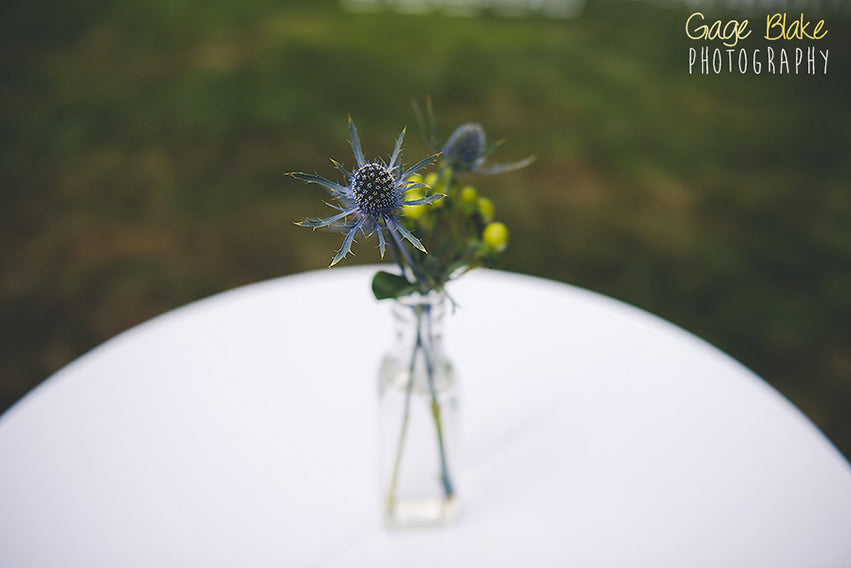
point(469, 195)
point(430, 180)
point(495, 236)
point(486, 209)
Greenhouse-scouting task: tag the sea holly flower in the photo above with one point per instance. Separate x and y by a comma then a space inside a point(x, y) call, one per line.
point(373, 198)
point(466, 150)
point(465, 147)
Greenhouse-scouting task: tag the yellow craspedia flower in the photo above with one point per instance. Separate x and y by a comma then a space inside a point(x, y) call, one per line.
point(469, 194)
point(486, 209)
point(430, 180)
point(495, 236)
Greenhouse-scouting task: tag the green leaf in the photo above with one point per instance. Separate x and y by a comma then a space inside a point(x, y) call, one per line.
point(386, 285)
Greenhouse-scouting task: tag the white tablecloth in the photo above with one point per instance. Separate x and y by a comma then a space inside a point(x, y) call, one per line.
point(240, 431)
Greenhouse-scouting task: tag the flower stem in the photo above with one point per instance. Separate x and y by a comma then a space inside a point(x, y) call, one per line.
point(394, 479)
point(420, 346)
point(396, 241)
point(435, 412)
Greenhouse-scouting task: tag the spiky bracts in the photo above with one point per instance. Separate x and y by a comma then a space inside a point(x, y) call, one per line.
point(372, 199)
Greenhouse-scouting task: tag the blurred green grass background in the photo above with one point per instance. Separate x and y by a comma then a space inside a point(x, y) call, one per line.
point(143, 146)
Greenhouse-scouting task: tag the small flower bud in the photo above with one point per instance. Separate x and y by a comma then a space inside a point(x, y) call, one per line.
point(465, 146)
point(486, 209)
point(495, 236)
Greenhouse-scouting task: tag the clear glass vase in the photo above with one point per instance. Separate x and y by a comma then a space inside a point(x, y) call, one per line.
point(418, 422)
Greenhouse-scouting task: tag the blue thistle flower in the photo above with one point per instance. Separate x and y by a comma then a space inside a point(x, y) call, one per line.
point(372, 199)
point(467, 150)
point(465, 147)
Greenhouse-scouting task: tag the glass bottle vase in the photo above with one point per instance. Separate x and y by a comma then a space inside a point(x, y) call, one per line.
point(418, 418)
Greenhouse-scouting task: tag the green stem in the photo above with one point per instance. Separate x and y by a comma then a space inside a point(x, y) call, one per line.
point(394, 479)
point(448, 490)
point(400, 246)
point(419, 345)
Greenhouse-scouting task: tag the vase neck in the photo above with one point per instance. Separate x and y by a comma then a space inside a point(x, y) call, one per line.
point(420, 317)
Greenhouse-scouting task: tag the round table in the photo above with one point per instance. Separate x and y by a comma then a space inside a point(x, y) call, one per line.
point(240, 430)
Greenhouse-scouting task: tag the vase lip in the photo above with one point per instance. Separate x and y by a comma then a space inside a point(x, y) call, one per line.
point(416, 298)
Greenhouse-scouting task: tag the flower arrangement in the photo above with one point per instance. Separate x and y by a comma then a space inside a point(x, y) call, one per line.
point(437, 227)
